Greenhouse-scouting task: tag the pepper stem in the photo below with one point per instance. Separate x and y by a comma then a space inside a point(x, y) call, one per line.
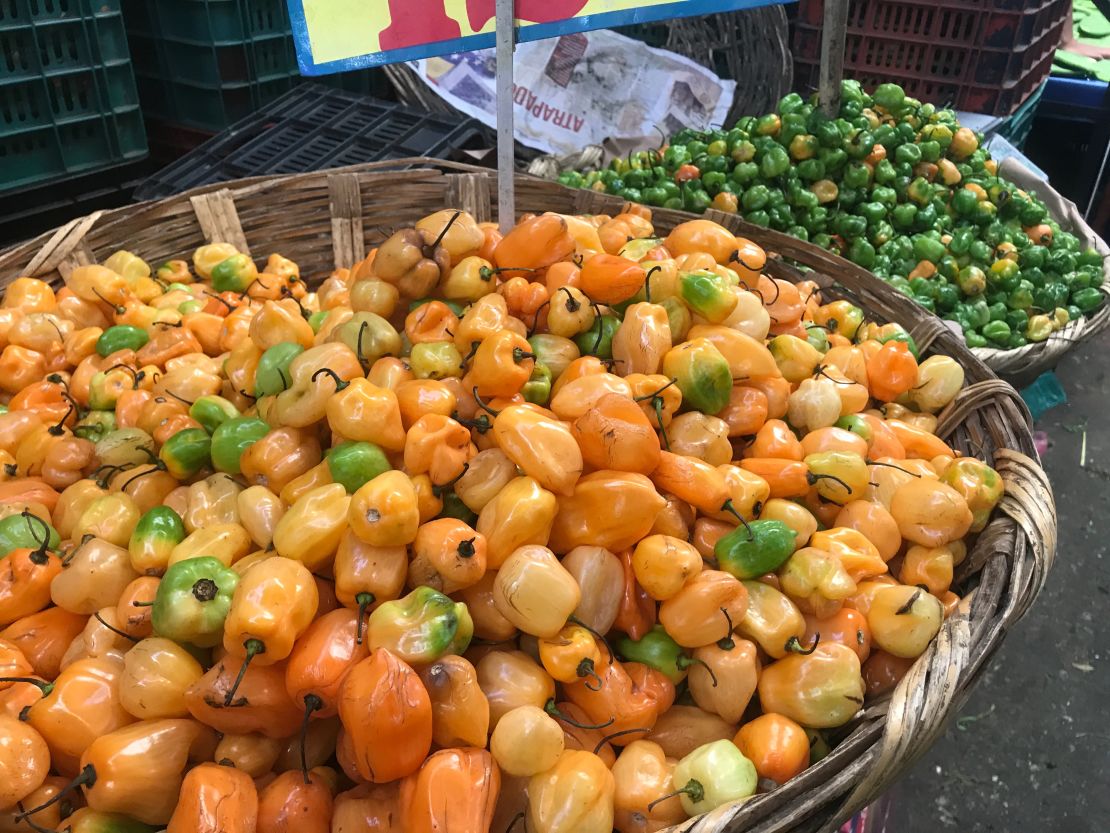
point(113, 628)
point(728, 507)
point(446, 487)
point(159, 466)
point(574, 620)
point(59, 429)
point(685, 662)
point(443, 233)
point(520, 354)
point(364, 600)
point(254, 647)
point(892, 466)
point(609, 737)
point(693, 788)
point(86, 778)
point(535, 318)
point(653, 394)
point(908, 606)
point(600, 327)
point(726, 643)
point(42, 685)
point(794, 645)
point(481, 402)
point(466, 548)
point(44, 544)
point(38, 828)
point(812, 478)
point(647, 281)
point(312, 703)
point(586, 669)
point(553, 710)
point(205, 590)
point(657, 404)
point(339, 383)
point(516, 819)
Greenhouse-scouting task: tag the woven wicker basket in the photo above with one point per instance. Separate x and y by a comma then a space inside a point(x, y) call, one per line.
point(1020, 366)
point(326, 219)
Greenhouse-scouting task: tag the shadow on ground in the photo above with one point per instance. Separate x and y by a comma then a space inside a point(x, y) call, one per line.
point(1031, 748)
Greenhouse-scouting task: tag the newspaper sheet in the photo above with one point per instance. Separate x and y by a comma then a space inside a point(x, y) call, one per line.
point(583, 88)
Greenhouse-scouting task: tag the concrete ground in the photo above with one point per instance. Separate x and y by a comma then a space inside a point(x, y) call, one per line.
point(1030, 751)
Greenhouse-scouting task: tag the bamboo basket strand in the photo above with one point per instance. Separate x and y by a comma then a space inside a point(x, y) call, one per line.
point(328, 219)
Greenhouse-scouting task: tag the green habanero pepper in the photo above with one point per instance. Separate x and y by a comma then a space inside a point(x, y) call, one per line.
point(21, 531)
point(909, 154)
point(158, 531)
point(884, 172)
point(421, 627)
point(272, 375)
point(598, 340)
point(701, 373)
point(756, 197)
point(857, 425)
point(811, 170)
point(353, 464)
point(656, 649)
point(453, 507)
point(997, 331)
point(95, 425)
point(712, 775)
point(1087, 300)
point(818, 338)
point(186, 452)
point(316, 320)
point(754, 549)
point(234, 274)
point(537, 389)
point(889, 96)
point(774, 163)
point(212, 411)
point(857, 175)
point(926, 248)
point(862, 253)
point(707, 294)
point(903, 216)
point(193, 600)
point(232, 438)
point(964, 201)
point(120, 337)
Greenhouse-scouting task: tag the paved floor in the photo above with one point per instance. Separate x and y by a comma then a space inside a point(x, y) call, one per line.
point(1030, 751)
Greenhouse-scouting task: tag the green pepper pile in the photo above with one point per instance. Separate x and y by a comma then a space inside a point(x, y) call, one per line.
point(894, 185)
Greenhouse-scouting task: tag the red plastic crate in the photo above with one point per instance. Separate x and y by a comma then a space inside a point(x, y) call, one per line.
point(980, 55)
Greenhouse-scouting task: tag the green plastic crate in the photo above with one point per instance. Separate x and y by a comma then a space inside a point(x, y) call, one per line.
point(206, 64)
point(68, 102)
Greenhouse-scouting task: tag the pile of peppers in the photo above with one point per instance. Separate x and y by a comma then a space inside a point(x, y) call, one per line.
point(580, 525)
point(896, 186)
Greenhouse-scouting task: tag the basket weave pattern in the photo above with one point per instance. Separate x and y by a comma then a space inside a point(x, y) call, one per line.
point(327, 219)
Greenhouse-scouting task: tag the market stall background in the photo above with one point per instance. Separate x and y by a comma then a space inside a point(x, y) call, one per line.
point(101, 95)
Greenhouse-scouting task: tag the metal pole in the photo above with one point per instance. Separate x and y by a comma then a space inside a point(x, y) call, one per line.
point(834, 32)
point(506, 197)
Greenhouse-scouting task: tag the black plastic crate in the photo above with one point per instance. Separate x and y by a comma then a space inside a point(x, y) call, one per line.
point(314, 127)
point(30, 211)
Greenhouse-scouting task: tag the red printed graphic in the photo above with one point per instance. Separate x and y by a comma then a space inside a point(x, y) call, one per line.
point(410, 27)
point(534, 11)
point(429, 23)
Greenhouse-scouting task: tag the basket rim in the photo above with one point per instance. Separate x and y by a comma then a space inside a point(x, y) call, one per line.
point(1010, 559)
